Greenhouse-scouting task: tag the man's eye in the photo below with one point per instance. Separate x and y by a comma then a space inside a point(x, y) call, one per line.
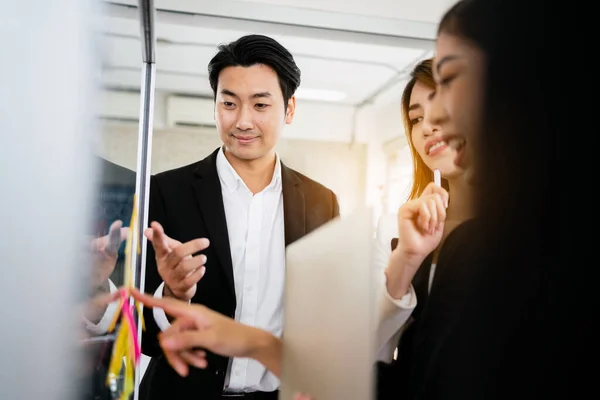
point(261, 105)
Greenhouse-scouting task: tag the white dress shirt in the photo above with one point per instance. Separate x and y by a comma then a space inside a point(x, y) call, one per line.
point(102, 326)
point(392, 313)
point(256, 237)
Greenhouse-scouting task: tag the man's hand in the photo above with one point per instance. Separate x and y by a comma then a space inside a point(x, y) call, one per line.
point(196, 326)
point(94, 308)
point(176, 265)
point(105, 251)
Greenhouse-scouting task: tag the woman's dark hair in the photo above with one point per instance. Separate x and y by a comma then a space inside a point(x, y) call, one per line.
point(256, 49)
point(519, 138)
point(523, 239)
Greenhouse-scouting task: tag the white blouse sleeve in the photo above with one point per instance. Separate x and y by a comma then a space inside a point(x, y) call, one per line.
point(392, 314)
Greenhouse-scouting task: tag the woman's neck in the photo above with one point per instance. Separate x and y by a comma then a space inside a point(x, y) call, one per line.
point(460, 205)
point(460, 208)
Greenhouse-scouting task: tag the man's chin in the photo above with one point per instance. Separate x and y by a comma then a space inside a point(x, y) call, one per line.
point(245, 153)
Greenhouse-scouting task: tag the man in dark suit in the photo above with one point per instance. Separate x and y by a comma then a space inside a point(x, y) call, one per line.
point(112, 214)
point(249, 206)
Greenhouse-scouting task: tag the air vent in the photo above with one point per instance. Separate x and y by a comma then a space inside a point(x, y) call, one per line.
point(190, 111)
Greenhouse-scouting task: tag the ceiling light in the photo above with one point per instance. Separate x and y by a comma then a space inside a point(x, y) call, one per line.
point(320, 94)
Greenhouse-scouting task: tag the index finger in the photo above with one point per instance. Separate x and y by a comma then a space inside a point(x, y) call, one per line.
point(106, 298)
point(160, 241)
point(175, 308)
point(189, 248)
point(116, 235)
point(433, 188)
point(302, 396)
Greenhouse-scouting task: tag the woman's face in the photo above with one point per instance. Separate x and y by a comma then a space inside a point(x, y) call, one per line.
point(427, 137)
point(456, 107)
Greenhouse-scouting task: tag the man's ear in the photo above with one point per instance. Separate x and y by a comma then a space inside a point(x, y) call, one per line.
point(291, 109)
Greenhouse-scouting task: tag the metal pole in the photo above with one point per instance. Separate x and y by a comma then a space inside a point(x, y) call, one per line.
point(144, 155)
point(147, 14)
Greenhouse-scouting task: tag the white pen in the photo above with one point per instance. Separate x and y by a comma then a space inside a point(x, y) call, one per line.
point(437, 177)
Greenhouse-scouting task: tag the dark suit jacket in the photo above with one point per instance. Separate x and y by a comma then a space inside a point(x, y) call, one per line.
point(188, 203)
point(114, 201)
point(482, 331)
point(115, 198)
point(429, 324)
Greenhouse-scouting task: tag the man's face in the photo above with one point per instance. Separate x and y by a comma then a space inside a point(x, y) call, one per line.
point(250, 112)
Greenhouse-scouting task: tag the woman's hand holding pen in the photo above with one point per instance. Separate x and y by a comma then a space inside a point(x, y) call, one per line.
point(420, 230)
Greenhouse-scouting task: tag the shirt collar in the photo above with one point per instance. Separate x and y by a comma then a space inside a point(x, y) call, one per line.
point(232, 180)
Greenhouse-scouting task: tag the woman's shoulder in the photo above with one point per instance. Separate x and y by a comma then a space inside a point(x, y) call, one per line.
point(387, 225)
point(386, 233)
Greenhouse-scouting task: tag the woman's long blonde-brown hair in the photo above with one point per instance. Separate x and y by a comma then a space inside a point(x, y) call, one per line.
point(422, 175)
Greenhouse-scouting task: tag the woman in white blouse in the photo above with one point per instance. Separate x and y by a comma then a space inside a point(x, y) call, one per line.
point(429, 152)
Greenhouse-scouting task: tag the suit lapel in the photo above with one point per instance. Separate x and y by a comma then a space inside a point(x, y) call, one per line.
point(207, 189)
point(209, 197)
point(445, 304)
point(294, 210)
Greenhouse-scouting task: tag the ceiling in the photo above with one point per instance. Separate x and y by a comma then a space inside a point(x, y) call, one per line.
point(354, 58)
point(429, 11)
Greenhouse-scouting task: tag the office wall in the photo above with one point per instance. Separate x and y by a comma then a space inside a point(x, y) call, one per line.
point(337, 165)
